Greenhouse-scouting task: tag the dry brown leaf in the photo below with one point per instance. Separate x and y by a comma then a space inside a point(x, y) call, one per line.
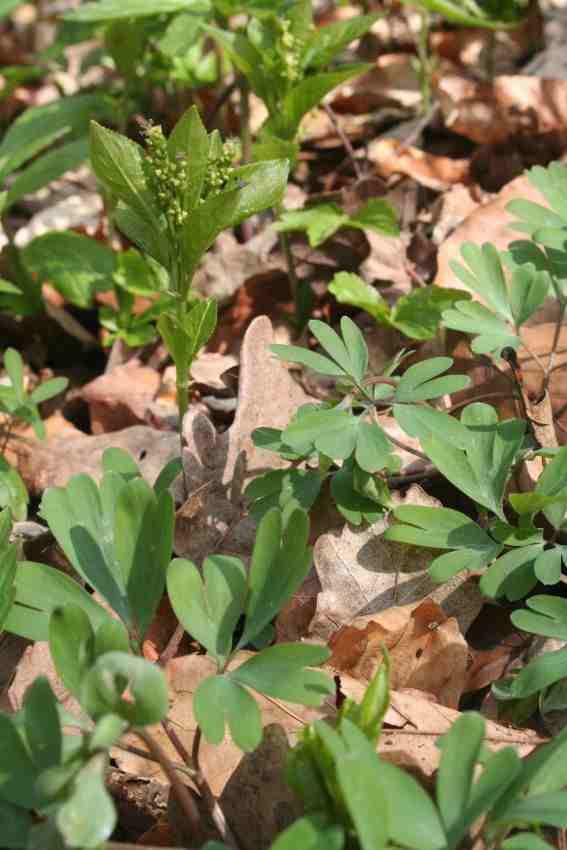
point(361, 573)
point(426, 648)
point(452, 208)
point(469, 47)
point(53, 463)
point(390, 156)
point(209, 367)
point(393, 80)
point(121, 397)
point(268, 396)
point(508, 106)
point(418, 722)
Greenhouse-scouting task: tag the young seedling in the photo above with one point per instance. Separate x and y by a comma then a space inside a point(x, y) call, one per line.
point(17, 405)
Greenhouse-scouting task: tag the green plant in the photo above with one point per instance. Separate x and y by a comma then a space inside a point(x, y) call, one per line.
point(17, 405)
point(135, 276)
point(542, 681)
point(417, 315)
point(322, 221)
point(172, 200)
point(118, 539)
point(282, 56)
point(342, 441)
point(354, 798)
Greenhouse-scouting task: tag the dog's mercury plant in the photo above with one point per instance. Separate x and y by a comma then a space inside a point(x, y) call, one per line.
point(172, 199)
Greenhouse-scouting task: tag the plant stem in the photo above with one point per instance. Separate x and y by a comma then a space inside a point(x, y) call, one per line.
point(182, 793)
point(554, 345)
point(200, 781)
point(245, 132)
point(345, 141)
point(301, 291)
point(424, 57)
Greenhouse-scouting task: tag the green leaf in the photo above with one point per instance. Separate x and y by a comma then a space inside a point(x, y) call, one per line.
point(14, 366)
point(317, 362)
point(114, 673)
point(547, 809)
point(425, 422)
point(354, 505)
point(88, 817)
point(279, 671)
point(552, 482)
point(149, 237)
point(359, 777)
point(189, 139)
point(351, 289)
point(512, 575)
point(319, 222)
point(494, 333)
point(47, 168)
point(42, 725)
point(280, 562)
point(474, 15)
point(143, 533)
point(483, 468)
point(500, 771)
point(6, 7)
point(40, 126)
point(286, 489)
point(333, 345)
point(49, 389)
point(328, 41)
point(114, 10)
point(15, 823)
point(525, 841)
point(552, 183)
point(219, 701)
point(82, 521)
point(17, 771)
point(461, 751)
point(311, 832)
point(421, 382)
point(13, 493)
point(168, 475)
point(373, 448)
point(305, 96)
point(71, 644)
point(485, 276)
point(547, 616)
point(209, 607)
point(117, 163)
point(418, 314)
point(356, 348)
point(547, 566)
point(376, 214)
point(528, 290)
point(39, 590)
point(411, 816)
point(76, 266)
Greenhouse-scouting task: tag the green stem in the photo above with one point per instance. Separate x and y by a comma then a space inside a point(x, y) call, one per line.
point(300, 291)
point(424, 57)
point(245, 133)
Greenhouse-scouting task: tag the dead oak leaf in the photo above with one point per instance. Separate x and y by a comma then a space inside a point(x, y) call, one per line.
point(426, 648)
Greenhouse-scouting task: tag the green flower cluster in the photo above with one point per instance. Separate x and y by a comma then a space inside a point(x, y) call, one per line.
point(291, 49)
point(220, 169)
point(166, 177)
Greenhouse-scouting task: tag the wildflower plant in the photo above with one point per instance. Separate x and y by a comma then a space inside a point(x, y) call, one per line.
point(172, 199)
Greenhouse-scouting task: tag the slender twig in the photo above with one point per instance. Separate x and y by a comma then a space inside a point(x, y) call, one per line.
point(173, 643)
point(405, 478)
point(460, 404)
point(181, 791)
point(535, 357)
point(211, 801)
point(345, 140)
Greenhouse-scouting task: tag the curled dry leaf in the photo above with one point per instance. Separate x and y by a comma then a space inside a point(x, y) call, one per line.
point(120, 398)
point(391, 156)
point(499, 110)
point(426, 648)
point(360, 573)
